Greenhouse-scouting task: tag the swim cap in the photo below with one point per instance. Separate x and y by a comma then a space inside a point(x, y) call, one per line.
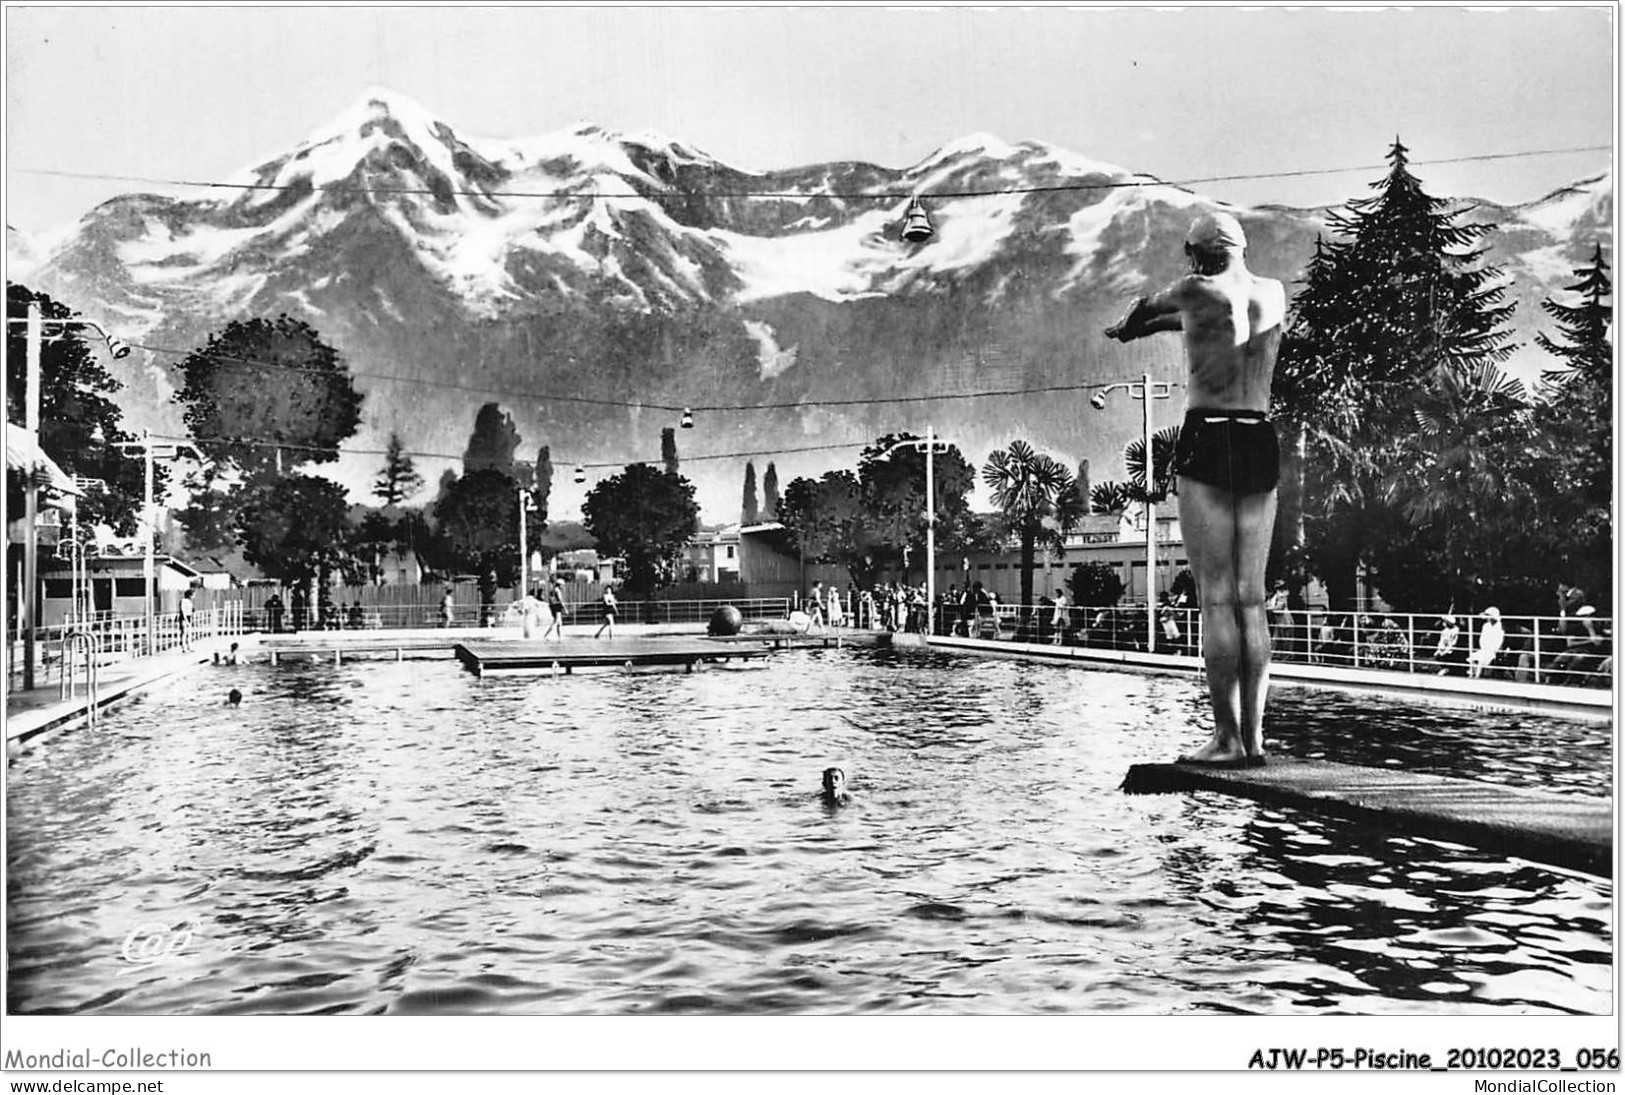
point(1216, 232)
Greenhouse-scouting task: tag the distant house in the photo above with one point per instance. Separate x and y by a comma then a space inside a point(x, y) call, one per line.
point(583, 565)
point(226, 571)
point(117, 585)
point(713, 555)
point(399, 568)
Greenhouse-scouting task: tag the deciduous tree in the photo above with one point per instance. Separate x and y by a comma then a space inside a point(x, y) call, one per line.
point(647, 516)
point(259, 388)
point(80, 419)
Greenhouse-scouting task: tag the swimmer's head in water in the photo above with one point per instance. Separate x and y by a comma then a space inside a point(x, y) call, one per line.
point(834, 783)
point(234, 697)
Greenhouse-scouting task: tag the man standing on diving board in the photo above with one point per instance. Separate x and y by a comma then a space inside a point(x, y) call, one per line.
point(1227, 462)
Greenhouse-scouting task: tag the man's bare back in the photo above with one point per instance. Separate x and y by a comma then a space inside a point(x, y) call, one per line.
point(1232, 326)
point(1226, 463)
point(1232, 330)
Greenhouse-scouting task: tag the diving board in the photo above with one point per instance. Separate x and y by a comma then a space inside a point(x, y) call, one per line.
point(482, 658)
point(1563, 830)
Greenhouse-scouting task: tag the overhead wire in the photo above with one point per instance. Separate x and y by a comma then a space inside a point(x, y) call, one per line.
point(1141, 179)
point(801, 404)
point(264, 443)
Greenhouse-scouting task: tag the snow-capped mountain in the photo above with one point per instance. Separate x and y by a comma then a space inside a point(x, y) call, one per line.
point(452, 270)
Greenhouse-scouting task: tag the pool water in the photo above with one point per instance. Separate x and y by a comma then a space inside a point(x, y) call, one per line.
point(407, 838)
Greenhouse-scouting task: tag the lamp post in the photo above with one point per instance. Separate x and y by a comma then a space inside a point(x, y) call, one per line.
point(1146, 390)
point(929, 444)
point(149, 520)
point(34, 323)
point(527, 502)
point(82, 602)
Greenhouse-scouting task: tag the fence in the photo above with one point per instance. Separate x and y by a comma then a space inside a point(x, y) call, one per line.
point(466, 611)
point(1575, 651)
point(117, 637)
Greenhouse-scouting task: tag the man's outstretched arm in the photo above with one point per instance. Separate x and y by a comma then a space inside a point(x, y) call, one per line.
point(1147, 316)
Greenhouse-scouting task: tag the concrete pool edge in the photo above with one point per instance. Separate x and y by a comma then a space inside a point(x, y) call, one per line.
point(1587, 703)
point(26, 725)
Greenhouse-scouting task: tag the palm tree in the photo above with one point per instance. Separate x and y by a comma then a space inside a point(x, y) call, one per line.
point(1474, 434)
point(1110, 497)
point(1162, 452)
point(1039, 502)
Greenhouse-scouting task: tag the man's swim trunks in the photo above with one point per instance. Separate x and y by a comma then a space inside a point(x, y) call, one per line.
point(1235, 451)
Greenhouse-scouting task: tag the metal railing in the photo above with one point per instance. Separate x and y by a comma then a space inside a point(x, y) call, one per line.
point(74, 644)
point(357, 617)
point(118, 637)
point(1572, 651)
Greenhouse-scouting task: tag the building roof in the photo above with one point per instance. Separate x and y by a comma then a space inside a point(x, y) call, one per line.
point(23, 453)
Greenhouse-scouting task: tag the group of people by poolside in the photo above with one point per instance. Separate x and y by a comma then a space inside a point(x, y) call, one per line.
point(1575, 650)
point(534, 611)
point(330, 615)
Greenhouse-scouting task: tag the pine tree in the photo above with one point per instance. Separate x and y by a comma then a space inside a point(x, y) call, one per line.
point(1420, 300)
point(1588, 355)
point(1402, 297)
point(770, 493)
point(1578, 417)
point(750, 511)
point(542, 484)
point(400, 479)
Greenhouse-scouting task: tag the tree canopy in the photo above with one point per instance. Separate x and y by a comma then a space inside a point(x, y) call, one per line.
point(826, 520)
point(477, 528)
point(647, 516)
point(749, 508)
point(494, 441)
point(81, 422)
point(263, 391)
point(1038, 501)
point(893, 482)
point(1401, 309)
point(295, 527)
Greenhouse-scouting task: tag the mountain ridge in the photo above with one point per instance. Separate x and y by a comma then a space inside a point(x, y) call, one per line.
point(635, 269)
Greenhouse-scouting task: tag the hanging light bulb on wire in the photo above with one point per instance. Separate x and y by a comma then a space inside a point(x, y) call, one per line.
point(917, 223)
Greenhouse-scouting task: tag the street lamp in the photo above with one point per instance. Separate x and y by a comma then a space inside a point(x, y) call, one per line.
point(35, 322)
point(149, 517)
point(1147, 390)
point(527, 503)
point(79, 565)
point(929, 443)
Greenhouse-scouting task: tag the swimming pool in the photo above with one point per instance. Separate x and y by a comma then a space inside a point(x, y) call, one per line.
point(407, 838)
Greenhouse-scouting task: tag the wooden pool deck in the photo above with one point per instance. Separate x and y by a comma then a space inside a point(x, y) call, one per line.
point(482, 658)
point(1562, 830)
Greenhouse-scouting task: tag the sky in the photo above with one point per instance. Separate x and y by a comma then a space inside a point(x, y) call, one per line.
point(199, 93)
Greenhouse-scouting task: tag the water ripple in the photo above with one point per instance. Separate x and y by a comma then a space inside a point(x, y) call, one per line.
point(404, 838)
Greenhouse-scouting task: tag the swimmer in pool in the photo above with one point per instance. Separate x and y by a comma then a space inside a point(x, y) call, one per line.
point(1226, 461)
point(834, 792)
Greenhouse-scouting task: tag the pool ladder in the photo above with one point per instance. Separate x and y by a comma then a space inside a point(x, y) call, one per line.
point(75, 643)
